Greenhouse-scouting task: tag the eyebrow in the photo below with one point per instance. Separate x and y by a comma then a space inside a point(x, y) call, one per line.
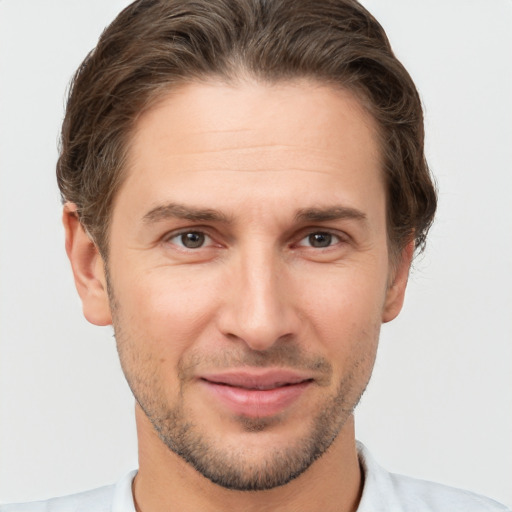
point(329, 213)
point(191, 213)
point(178, 211)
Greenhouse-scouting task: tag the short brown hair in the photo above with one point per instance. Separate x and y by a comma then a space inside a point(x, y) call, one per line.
point(155, 44)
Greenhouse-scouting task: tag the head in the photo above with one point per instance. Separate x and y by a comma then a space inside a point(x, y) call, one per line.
point(154, 46)
point(249, 182)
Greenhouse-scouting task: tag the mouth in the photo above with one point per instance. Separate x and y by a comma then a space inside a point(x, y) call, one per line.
point(256, 393)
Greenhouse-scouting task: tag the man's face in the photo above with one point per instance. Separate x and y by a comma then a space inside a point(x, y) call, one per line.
point(249, 273)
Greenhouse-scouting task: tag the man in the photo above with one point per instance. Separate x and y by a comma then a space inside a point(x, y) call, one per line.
point(244, 187)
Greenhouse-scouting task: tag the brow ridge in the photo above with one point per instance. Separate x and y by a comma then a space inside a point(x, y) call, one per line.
point(194, 214)
point(179, 211)
point(329, 213)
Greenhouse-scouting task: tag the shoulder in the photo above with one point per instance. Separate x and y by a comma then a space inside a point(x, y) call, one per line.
point(111, 498)
point(384, 491)
point(421, 495)
point(96, 500)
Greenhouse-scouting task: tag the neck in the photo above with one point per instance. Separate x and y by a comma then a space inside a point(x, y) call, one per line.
point(167, 482)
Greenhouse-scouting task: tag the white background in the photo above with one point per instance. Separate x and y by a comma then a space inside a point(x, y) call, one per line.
point(439, 406)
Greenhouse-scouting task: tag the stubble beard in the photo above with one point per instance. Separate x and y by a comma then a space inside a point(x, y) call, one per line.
point(234, 469)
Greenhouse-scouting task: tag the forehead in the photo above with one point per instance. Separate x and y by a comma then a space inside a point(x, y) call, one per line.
point(298, 112)
point(253, 140)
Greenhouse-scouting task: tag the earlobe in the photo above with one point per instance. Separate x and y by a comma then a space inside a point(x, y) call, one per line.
point(396, 289)
point(88, 268)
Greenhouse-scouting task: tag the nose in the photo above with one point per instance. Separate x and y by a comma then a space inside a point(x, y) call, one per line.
point(260, 308)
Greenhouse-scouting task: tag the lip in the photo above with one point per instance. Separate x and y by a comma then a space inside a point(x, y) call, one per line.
point(256, 393)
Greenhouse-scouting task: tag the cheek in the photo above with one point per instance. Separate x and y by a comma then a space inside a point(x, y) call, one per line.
point(165, 310)
point(159, 318)
point(344, 310)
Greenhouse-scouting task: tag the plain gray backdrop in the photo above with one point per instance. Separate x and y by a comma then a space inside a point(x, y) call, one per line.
point(439, 405)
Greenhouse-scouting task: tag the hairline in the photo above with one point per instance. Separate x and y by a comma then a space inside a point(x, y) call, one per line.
point(236, 78)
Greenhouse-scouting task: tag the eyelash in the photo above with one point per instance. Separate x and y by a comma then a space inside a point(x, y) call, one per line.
point(327, 234)
point(338, 239)
point(180, 234)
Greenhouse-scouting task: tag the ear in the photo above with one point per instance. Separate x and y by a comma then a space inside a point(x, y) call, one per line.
point(396, 288)
point(88, 268)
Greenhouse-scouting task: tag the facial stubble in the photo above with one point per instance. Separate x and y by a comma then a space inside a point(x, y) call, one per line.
point(234, 468)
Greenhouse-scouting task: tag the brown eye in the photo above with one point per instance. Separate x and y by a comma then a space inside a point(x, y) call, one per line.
point(320, 240)
point(192, 239)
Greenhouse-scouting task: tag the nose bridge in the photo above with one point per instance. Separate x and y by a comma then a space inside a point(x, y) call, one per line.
point(260, 312)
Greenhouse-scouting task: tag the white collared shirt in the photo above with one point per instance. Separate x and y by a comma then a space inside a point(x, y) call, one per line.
point(382, 492)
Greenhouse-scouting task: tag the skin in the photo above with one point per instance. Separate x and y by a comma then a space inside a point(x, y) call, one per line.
point(256, 294)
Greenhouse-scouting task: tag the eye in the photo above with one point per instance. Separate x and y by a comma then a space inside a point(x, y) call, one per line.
point(190, 239)
point(320, 240)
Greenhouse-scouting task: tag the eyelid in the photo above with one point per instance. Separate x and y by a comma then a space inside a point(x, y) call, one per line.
point(169, 236)
point(341, 236)
point(304, 234)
